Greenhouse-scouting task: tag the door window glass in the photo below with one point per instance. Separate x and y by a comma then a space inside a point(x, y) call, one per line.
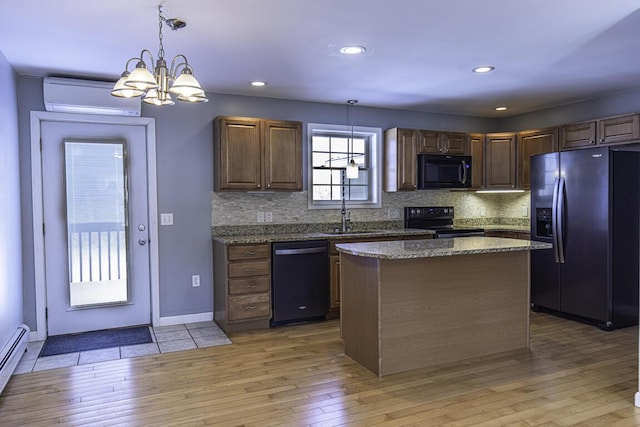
point(96, 208)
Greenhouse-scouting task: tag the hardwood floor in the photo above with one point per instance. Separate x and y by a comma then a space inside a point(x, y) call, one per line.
point(573, 374)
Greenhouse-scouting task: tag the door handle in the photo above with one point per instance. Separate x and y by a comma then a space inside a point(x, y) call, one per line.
point(142, 241)
point(554, 219)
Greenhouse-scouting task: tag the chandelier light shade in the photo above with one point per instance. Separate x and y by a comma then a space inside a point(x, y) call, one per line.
point(352, 167)
point(157, 86)
point(123, 91)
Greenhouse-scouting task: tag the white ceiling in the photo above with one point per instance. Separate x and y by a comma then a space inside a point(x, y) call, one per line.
point(419, 52)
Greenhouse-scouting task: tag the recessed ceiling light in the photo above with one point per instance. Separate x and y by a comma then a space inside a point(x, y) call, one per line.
point(258, 83)
point(484, 69)
point(501, 108)
point(353, 50)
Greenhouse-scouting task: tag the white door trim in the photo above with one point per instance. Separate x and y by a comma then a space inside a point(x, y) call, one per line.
point(37, 117)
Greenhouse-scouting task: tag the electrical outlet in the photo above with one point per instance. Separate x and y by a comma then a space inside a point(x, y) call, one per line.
point(393, 213)
point(260, 217)
point(268, 217)
point(195, 280)
point(483, 212)
point(525, 211)
point(166, 219)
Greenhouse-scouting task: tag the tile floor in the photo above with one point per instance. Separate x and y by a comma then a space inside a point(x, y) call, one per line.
point(165, 339)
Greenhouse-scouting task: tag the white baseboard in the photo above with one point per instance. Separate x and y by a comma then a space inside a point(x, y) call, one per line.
point(35, 336)
point(187, 318)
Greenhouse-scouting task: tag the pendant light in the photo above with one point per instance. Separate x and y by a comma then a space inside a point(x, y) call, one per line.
point(352, 167)
point(157, 87)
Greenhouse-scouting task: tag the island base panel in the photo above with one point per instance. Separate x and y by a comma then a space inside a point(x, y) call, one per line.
point(429, 311)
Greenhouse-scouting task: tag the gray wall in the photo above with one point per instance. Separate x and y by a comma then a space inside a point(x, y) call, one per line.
point(11, 312)
point(185, 175)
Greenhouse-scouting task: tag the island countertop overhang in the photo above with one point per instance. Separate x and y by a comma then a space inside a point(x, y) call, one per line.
point(408, 249)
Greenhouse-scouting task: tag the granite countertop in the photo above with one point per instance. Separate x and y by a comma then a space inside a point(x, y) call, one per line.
point(438, 247)
point(288, 237)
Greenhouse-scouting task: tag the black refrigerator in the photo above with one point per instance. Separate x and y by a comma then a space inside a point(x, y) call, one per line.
point(587, 204)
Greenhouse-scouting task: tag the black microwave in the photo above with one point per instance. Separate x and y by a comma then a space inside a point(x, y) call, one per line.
point(443, 171)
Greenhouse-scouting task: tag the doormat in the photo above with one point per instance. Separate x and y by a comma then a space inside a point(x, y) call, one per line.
point(94, 340)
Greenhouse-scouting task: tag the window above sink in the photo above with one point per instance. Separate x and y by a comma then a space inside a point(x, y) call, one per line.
point(330, 149)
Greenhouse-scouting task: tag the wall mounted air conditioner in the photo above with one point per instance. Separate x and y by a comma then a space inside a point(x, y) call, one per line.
point(86, 97)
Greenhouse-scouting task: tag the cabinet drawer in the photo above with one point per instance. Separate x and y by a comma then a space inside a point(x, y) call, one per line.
point(249, 285)
point(242, 252)
point(249, 306)
point(249, 269)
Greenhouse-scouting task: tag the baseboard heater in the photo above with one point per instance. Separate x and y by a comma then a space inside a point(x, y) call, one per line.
point(11, 354)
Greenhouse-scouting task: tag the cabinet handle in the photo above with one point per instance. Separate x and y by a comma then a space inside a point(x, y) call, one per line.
point(250, 286)
point(250, 307)
point(591, 141)
point(249, 270)
point(249, 252)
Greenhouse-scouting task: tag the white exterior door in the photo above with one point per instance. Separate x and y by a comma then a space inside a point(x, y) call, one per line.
point(96, 226)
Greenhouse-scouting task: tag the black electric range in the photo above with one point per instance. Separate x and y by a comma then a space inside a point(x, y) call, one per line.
point(439, 219)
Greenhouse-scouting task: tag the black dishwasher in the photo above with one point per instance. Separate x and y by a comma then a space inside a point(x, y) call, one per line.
point(299, 281)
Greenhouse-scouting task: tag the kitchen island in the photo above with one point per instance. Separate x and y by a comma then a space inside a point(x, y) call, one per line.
point(413, 304)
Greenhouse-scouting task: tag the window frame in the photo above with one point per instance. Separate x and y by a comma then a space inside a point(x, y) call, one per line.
point(374, 199)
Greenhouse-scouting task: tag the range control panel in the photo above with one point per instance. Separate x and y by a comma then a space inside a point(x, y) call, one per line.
point(427, 212)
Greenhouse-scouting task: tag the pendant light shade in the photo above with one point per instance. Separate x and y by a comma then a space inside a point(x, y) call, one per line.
point(352, 170)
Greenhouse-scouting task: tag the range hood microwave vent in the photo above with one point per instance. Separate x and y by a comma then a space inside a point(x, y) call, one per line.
point(86, 97)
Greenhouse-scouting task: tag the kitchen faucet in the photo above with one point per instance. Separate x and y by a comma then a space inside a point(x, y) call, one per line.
point(346, 217)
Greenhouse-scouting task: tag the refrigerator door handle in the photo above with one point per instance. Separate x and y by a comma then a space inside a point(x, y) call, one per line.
point(554, 220)
point(560, 218)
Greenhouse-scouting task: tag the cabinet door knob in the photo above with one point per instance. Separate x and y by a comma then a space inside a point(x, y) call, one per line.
point(601, 139)
point(258, 185)
point(268, 185)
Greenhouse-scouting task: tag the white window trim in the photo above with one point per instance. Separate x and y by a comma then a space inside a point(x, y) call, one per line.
point(375, 160)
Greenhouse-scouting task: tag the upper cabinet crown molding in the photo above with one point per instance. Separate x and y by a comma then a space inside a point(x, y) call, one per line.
point(253, 154)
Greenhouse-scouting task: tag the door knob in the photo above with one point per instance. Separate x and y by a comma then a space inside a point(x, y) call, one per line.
point(142, 241)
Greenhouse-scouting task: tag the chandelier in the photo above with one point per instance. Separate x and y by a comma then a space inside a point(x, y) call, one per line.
point(157, 87)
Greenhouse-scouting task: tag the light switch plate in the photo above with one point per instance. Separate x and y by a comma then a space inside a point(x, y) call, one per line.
point(260, 217)
point(166, 219)
point(268, 217)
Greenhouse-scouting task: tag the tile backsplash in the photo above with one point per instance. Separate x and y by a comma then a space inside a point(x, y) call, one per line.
point(236, 208)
